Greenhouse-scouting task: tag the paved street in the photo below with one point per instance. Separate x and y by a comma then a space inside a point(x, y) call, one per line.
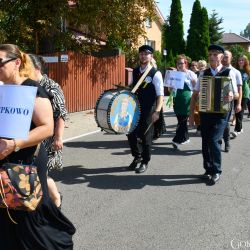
point(168, 207)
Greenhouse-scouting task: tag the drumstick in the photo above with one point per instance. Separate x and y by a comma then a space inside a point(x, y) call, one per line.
point(139, 139)
point(148, 127)
point(142, 78)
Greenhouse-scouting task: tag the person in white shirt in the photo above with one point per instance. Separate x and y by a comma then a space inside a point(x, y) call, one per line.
point(150, 95)
point(182, 102)
point(227, 59)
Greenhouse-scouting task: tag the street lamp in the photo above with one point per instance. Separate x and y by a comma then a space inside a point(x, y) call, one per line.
point(165, 57)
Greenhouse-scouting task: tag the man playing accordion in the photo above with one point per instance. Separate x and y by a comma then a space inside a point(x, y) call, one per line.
point(213, 123)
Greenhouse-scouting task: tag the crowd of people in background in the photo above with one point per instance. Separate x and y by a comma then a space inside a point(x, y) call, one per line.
point(212, 127)
point(182, 98)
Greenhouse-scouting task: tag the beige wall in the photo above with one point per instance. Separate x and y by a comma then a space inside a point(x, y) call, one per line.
point(153, 33)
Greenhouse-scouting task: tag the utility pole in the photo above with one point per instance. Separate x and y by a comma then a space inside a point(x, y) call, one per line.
point(165, 58)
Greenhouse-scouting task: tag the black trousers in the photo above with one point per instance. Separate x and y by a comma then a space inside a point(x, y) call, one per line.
point(181, 134)
point(212, 128)
point(226, 134)
point(248, 105)
point(140, 140)
point(239, 115)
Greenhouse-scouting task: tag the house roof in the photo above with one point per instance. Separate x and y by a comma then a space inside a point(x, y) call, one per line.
point(233, 38)
point(159, 14)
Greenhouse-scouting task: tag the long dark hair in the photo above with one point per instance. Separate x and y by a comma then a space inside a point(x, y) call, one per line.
point(38, 62)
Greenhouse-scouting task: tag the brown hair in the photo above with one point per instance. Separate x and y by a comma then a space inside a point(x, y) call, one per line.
point(26, 68)
point(246, 66)
point(182, 56)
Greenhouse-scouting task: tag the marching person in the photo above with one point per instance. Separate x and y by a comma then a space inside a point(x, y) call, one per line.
point(194, 67)
point(227, 59)
point(244, 75)
point(53, 144)
point(202, 65)
point(182, 102)
point(150, 95)
point(46, 227)
point(213, 124)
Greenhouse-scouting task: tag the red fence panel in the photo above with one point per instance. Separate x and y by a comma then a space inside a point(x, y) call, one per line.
point(83, 77)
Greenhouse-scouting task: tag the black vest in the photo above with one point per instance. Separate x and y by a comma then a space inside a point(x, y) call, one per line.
point(146, 92)
point(224, 72)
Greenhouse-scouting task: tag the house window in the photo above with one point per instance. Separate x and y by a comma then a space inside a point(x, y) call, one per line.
point(150, 43)
point(148, 23)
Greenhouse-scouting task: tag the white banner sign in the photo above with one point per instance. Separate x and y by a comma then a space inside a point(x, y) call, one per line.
point(16, 108)
point(174, 79)
point(50, 59)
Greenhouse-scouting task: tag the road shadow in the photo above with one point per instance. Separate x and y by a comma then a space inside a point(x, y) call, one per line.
point(98, 144)
point(102, 178)
point(123, 144)
point(169, 150)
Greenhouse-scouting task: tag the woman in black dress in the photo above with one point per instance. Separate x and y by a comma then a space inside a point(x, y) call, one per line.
point(46, 227)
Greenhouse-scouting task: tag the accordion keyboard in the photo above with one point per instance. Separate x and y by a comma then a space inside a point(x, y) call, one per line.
point(212, 94)
point(205, 94)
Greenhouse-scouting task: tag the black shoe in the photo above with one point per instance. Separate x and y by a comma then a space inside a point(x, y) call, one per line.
point(215, 178)
point(134, 163)
point(206, 175)
point(142, 168)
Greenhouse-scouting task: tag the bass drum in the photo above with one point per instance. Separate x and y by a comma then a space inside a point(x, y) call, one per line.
point(117, 111)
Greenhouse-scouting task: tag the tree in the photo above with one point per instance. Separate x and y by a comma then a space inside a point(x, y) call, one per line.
point(38, 25)
point(171, 60)
point(2, 32)
point(31, 21)
point(194, 32)
point(215, 31)
point(246, 32)
point(205, 40)
point(174, 30)
point(198, 33)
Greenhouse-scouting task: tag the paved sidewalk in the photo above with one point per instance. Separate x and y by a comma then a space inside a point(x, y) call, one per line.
point(81, 123)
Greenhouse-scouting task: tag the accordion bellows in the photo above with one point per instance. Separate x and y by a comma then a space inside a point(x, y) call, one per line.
point(213, 91)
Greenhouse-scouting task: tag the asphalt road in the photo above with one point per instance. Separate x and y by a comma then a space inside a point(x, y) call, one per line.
point(168, 207)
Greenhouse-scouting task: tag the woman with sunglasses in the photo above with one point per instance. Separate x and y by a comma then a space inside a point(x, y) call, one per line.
point(182, 102)
point(46, 227)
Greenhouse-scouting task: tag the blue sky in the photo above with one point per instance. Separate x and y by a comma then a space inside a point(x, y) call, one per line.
point(236, 13)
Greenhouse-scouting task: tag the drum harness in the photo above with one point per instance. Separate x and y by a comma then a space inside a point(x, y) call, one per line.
point(138, 84)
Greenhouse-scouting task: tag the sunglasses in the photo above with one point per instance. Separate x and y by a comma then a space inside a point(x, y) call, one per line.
point(6, 60)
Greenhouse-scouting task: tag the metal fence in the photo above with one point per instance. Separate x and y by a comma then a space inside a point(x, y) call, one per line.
point(83, 77)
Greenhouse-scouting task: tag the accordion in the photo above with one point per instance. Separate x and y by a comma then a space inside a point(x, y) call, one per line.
point(213, 90)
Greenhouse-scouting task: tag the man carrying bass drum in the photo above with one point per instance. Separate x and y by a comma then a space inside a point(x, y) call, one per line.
point(150, 95)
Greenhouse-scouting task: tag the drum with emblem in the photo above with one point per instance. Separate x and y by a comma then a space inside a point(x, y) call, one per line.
point(117, 111)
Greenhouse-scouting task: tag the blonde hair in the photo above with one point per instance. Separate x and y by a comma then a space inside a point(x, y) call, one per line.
point(202, 64)
point(26, 68)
